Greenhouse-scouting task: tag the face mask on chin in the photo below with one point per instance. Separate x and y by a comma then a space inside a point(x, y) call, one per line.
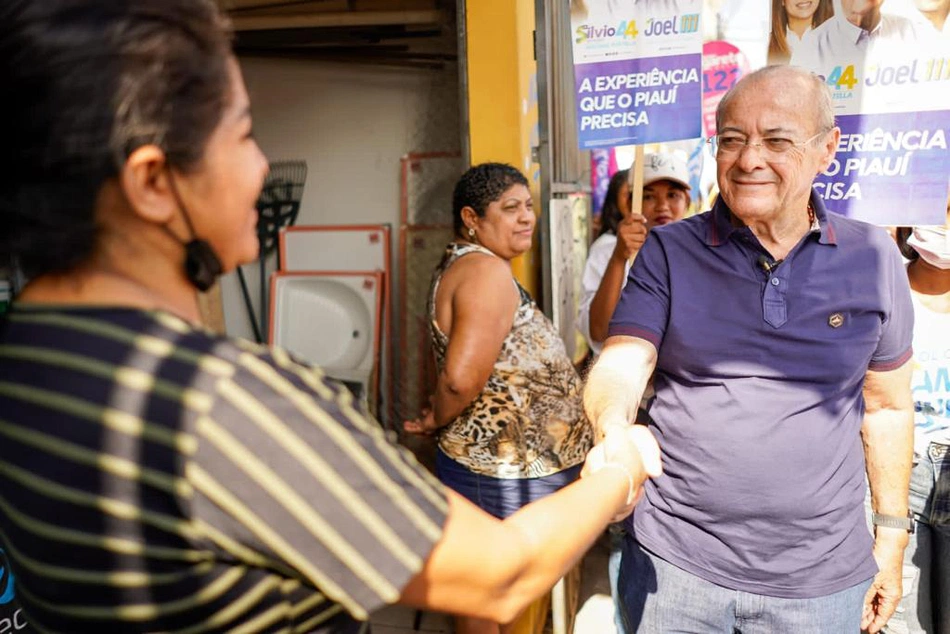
point(932, 244)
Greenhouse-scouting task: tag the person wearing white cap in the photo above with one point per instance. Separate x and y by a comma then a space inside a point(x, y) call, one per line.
point(875, 37)
point(666, 198)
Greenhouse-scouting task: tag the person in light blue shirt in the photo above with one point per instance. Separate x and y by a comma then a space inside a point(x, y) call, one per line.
point(876, 61)
point(861, 33)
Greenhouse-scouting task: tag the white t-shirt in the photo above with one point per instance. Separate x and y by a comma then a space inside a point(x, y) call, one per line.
point(931, 382)
point(598, 256)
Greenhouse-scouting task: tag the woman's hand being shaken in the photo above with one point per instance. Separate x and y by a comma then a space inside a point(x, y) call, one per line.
point(633, 450)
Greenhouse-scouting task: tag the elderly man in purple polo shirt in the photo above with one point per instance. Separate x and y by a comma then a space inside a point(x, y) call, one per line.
point(779, 337)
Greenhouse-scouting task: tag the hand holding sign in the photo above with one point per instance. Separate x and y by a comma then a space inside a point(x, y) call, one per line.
point(631, 234)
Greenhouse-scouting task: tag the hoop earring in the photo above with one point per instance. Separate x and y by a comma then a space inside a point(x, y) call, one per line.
point(471, 232)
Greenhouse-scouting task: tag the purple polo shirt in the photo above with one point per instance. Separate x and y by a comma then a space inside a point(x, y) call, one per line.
point(758, 405)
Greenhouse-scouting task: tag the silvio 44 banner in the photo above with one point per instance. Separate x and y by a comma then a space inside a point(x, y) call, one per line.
point(637, 71)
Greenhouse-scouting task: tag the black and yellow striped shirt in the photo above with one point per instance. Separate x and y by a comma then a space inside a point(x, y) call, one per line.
point(158, 478)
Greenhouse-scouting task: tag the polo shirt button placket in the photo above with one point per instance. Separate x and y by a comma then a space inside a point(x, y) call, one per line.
point(774, 309)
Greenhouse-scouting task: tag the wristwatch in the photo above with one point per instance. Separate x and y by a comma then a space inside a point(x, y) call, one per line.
point(894, 521)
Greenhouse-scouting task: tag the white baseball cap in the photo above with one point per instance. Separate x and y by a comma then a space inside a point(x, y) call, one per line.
point(660, 167)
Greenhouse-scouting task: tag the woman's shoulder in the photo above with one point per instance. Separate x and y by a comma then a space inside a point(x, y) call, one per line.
point(480, 265)
point(599, 254)
point(480, 285)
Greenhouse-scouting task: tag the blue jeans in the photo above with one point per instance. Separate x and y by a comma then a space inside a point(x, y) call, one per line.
point(660, 598)
point(500, 497)
point(925, 606)
point(618, 535)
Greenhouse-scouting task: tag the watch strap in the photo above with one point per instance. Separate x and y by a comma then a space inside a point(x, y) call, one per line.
point(894, 521)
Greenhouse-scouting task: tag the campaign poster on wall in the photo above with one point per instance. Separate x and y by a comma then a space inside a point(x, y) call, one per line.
point(723, 65)
point(637, 71)
point(887, 65)
point(603, 165)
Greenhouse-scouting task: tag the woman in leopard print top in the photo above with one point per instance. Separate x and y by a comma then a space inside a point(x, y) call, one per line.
point(507, 408)
point(507, 405)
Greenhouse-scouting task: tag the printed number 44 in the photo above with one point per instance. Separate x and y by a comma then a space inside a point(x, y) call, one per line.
point(629, 29)
point(845, 77)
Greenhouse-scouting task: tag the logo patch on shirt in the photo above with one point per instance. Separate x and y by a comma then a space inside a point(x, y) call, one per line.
point(6, 580)
point(835, 320)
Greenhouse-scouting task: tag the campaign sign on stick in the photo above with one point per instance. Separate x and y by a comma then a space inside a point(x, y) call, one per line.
point(638, 101)
point(637, 72)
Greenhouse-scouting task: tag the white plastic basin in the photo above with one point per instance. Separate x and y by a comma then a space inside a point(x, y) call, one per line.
point(328, 320)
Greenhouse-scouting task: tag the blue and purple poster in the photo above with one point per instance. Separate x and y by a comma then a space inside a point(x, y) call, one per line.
point(890, 168)
point(887, 65)
point(637, 71)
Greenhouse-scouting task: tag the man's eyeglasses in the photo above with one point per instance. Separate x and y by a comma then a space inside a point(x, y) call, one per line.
point(774, 149)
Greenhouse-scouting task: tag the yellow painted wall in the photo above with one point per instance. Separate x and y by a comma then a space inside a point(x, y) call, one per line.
point(502, 99)
point(503, 126)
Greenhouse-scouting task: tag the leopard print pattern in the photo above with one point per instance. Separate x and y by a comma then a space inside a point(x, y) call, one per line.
point(528, 421)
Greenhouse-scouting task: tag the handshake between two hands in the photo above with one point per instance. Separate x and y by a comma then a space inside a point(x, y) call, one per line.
point(631, 448)
point(623, 446)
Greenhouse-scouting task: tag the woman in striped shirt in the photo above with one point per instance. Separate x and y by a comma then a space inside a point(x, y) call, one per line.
point(157, 477)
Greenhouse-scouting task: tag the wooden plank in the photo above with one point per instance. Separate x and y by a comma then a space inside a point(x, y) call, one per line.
point(636, 187)
point(534, 619)
point(313, 20)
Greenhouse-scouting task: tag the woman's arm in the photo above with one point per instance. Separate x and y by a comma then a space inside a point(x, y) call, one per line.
point(631, 234)
point(492, 569)
point(483, 305)
point(605, 299)
point(597, 259)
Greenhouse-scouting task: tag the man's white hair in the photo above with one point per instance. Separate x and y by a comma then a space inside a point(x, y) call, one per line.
point(790, 76)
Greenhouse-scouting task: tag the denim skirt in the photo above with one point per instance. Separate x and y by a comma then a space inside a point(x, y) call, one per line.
point(500, 497)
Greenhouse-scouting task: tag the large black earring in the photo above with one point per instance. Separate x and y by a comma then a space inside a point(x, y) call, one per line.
point(202, 266)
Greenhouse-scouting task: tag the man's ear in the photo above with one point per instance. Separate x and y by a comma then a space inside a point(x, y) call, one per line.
point(830, 148)
point(145, 183)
